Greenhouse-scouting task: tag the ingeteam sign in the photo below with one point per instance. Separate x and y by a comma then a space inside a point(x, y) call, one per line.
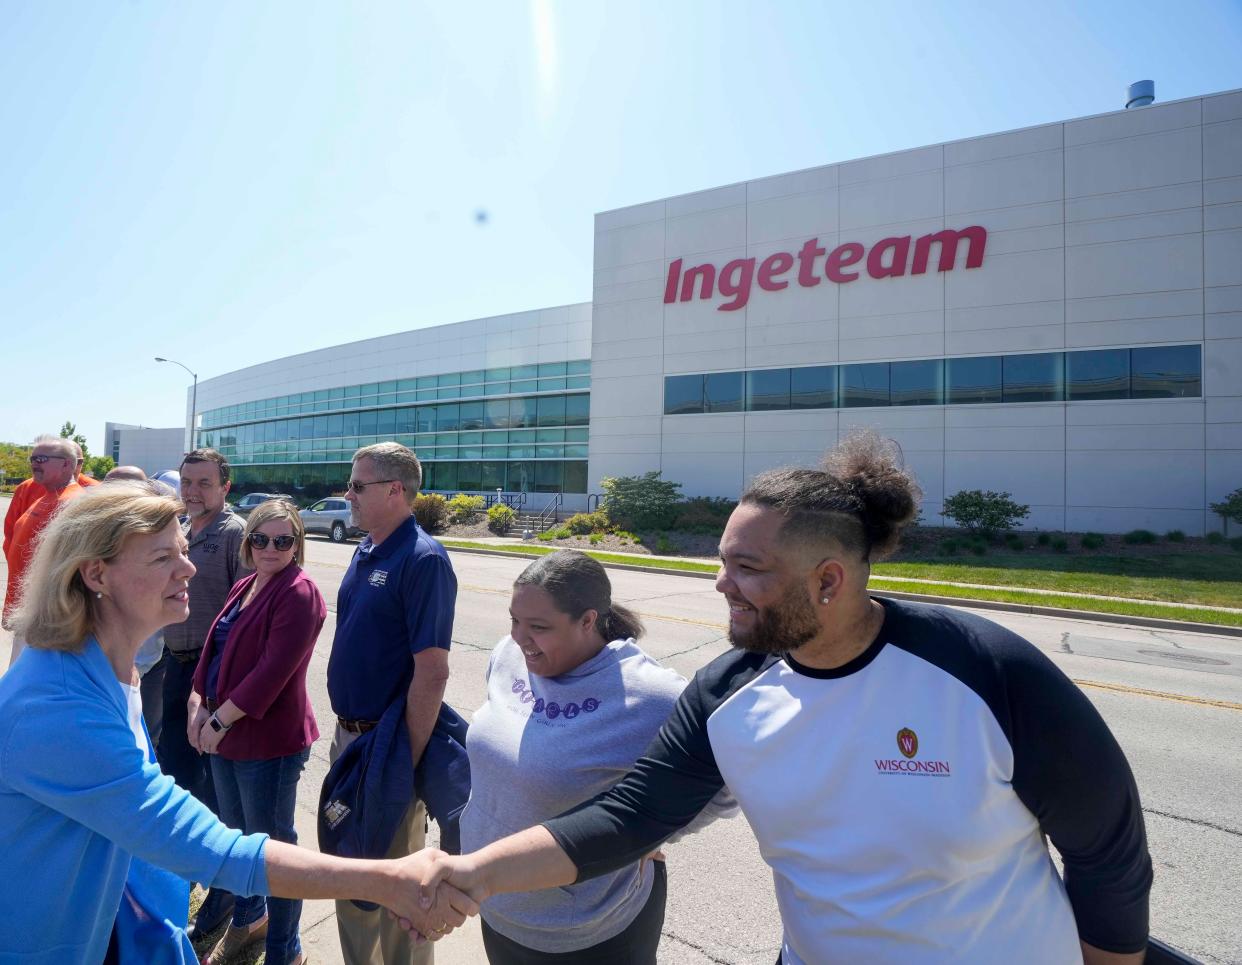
point(888, 258)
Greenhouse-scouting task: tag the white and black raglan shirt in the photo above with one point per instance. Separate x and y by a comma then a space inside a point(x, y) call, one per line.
point(902, 800)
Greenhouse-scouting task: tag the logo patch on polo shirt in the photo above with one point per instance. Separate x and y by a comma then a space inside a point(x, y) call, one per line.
point(378, 578)
point(335, 812)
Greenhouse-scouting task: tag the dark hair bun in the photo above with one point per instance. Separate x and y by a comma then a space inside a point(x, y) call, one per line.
point(871, 468)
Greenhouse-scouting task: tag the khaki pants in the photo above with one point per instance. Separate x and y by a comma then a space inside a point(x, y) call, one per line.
point(371, 936)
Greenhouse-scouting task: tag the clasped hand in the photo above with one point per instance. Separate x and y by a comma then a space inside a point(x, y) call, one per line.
point(447, 891)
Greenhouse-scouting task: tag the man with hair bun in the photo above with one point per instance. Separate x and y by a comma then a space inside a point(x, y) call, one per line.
point(901, 764)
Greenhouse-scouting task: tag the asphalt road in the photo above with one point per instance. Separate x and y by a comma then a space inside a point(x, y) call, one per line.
point(1174, 700)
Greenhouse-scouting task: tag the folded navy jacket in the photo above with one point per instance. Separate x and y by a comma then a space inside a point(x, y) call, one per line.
point(370, 786)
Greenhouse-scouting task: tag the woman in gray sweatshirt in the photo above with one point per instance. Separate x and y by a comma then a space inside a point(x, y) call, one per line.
point(572, 703)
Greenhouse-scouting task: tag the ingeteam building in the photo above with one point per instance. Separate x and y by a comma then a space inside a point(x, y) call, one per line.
point(1055, 312)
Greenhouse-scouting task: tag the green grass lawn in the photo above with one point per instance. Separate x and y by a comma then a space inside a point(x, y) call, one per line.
point(1183, 578)
point(1208, 579)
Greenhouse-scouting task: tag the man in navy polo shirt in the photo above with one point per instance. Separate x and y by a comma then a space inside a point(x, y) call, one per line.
point(394, 625)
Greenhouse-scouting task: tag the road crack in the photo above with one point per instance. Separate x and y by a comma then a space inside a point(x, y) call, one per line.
point(1201, 823)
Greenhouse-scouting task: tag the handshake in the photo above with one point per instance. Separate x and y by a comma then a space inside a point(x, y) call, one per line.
point(434, 892)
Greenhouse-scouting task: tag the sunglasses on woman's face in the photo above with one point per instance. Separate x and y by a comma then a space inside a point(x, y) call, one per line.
point(260, 540)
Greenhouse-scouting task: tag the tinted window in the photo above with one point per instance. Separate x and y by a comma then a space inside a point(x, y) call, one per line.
point(1166, 372)
point(917, 383)
point(973, 380)
point(1034, 378)
point(683, 394)
point(496, 414)
point(1103, 374)
point(448, 418)
point(521, 477)
point(722, 392)
point(813, 388)
point(864, 385)
point(575, 477)
point(577, 410)
point(552, 410)
point(522, 413)
point(548, 477)
point(471, 415)
point(767, 389)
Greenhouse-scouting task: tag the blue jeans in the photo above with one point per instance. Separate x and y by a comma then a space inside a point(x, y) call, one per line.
point(259, 796)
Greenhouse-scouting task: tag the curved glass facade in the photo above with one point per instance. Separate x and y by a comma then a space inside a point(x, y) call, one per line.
point(521, 429)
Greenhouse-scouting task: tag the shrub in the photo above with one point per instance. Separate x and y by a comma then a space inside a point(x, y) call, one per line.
point(1092, 541)
point(703, 514)
point(1043, 539)
point(1236, 543)
point(1215, 538)
point(640, 502)
point(547, 536)
point(1015, 543)
point(978, 547)
point(1060, 544)
point(582, 524)
point(949, 547)
point(596, 538)
point(984, 512)
point(500, 519)
point(431, 511)
point(1138, 537)
point(1175, 536)
point(561, 532)
point(463, 508)
point(663, 546)
point(1229, 508)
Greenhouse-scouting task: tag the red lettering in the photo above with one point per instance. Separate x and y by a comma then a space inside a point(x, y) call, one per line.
point(735, 280)
point(900, 247)
point(772, 266)
point(806, 263)
point(948, 241)
point(847, 254)
point(707, 273)
point(670, 286)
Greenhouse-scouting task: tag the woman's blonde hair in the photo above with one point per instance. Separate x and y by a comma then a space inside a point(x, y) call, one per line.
point(57, 611)
point(266, 512)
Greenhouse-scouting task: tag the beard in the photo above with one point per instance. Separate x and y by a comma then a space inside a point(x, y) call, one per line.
point(780, 628)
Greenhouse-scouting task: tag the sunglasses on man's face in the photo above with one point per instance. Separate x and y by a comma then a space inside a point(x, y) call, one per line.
point(41, 459)
point(260, 540)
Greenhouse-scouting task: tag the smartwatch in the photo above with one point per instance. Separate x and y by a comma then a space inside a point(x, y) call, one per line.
point(217, 725)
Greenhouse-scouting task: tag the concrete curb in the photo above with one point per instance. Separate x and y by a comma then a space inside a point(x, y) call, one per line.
point(1157, 623)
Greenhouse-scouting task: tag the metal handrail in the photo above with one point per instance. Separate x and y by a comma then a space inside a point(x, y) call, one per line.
point(551, 512)
point(593, 501)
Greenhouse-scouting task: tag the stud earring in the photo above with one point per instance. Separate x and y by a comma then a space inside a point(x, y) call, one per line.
point(825, 599)
point(99, 595)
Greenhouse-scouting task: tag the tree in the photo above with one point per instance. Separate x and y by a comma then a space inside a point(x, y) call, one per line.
point(641, 502)
point(70, 431)
point(984, 512)
point(14, 462)
point(1230, 508)
point(99, 466)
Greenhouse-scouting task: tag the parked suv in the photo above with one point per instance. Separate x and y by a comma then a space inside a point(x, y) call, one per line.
point(251, 500)
point(329, 516)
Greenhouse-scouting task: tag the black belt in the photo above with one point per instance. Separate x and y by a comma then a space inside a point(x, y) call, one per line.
point(186, 656)
point(357, 726)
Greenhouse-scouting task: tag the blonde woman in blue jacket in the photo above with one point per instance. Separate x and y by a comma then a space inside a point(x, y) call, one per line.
point(83, 805)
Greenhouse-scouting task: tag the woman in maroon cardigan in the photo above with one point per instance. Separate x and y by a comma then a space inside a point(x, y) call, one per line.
point(250, 711)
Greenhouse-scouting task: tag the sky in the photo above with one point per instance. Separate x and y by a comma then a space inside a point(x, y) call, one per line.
point(228, 183)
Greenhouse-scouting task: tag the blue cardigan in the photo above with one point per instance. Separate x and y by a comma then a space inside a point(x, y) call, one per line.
point(78, 799)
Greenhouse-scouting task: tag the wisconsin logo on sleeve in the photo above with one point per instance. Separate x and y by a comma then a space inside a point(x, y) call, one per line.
point(908, 744)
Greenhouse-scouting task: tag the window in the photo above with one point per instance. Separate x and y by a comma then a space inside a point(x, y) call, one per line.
point(523, 413)
point(683, 394)
point(386, 422)
point(579, 367)
point(575, 477)
point(864, 385)
point(767, 389)
point(366, 423)
point(813, 388)
point(722, 392)
point(425, 418)
point(551, 368)
point(521, 477)
point(917, 383)
point(472, 415)
point(552, 410)
point(449, 378)
point(468, 475)
point(1166, 372)
point(549, 477)
point(1034, 378)
point(448, 418)
point(498, 374)
point(577, 410)
point(974, 380)
point(1103, 374)
point(524, 372)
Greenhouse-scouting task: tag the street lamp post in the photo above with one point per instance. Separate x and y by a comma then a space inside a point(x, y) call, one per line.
point(193, 400)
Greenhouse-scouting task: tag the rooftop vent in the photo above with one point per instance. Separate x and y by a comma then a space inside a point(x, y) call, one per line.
point(1141, 93)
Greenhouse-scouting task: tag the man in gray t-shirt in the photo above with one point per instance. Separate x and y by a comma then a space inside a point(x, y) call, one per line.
point(214, 533)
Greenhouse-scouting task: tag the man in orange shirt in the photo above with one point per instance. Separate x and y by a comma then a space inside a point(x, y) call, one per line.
point(53, 464)
point(29, 492)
